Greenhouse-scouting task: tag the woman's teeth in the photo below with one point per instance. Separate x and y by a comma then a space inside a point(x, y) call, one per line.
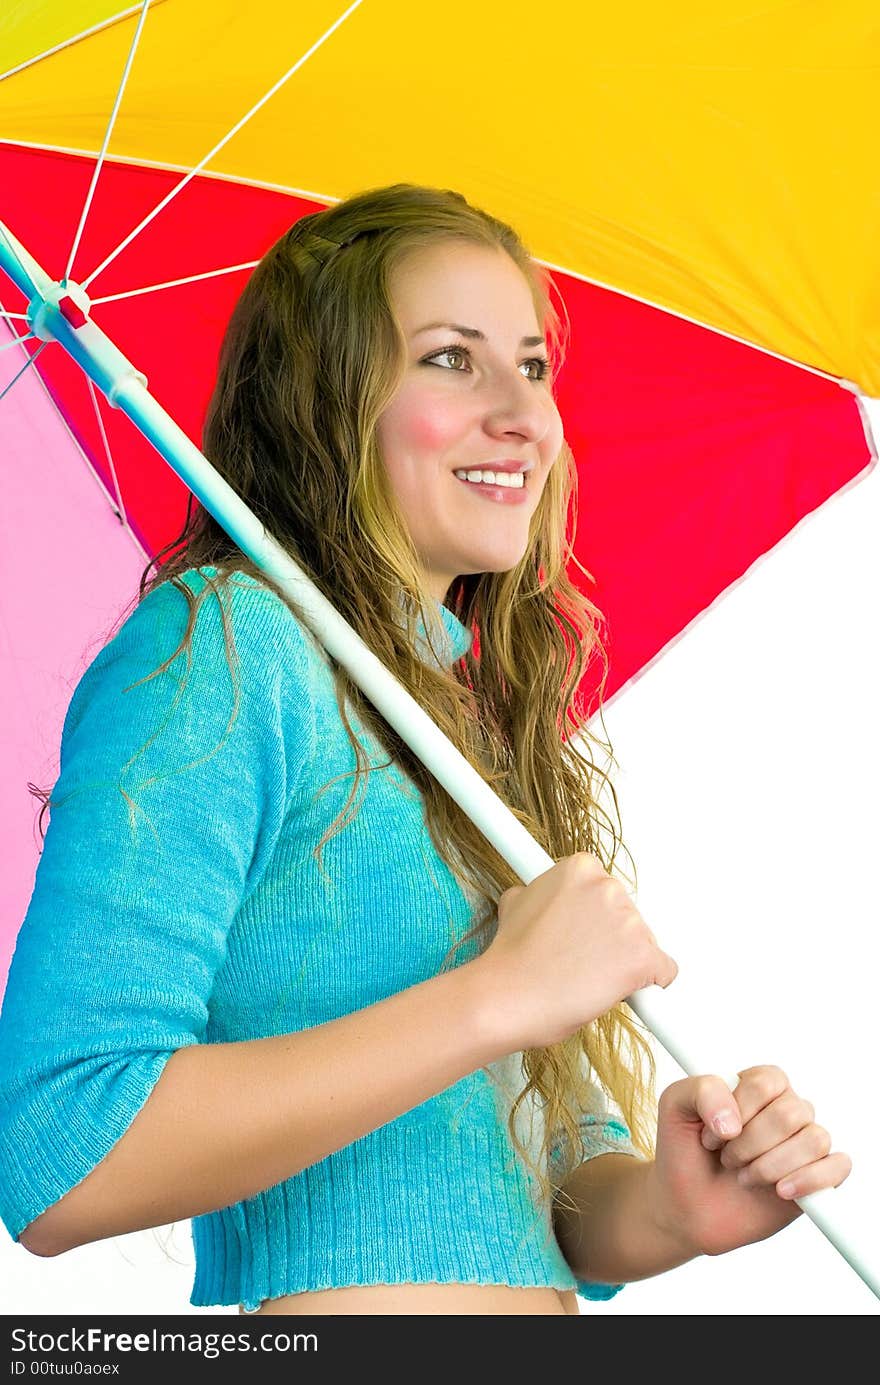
point(514, 479)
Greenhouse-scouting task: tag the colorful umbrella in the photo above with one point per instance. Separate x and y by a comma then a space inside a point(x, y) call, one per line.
point(702, 210)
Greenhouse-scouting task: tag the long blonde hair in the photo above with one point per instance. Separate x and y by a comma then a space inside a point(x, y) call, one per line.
point(312, 355)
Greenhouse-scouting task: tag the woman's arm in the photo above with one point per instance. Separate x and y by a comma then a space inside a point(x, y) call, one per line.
point(116, 1111)
point(616, 1236)
point(225, 1121)
point(729, 1166)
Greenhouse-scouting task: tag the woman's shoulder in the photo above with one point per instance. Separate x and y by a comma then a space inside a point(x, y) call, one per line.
point(205, 619)
point(194, 634)
point(170, 690)
point(257, 613)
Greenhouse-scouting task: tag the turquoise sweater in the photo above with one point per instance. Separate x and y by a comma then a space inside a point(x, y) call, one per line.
point(177, 901)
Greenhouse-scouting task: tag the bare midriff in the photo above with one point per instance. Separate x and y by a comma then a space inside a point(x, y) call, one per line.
point(425, 1299)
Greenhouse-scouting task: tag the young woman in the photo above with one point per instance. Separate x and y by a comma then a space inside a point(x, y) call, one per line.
point(271, 977)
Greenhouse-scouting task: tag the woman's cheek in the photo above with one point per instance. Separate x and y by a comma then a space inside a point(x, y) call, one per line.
point(416, 425)
point(430, 428)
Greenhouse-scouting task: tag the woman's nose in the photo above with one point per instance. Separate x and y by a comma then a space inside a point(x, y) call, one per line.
point(520, 406)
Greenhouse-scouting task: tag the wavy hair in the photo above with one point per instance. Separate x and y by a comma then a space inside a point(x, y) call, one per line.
point(312, 355)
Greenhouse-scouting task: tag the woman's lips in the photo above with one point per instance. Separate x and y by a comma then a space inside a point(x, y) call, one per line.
point(502, 495)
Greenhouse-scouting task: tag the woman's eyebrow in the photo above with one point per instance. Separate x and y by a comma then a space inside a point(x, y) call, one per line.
point(474, 333)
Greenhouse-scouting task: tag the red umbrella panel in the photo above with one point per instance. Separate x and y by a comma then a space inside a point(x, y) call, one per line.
point(696, 453)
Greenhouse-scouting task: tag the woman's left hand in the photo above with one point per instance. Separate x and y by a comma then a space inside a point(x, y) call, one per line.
point(720, 1189)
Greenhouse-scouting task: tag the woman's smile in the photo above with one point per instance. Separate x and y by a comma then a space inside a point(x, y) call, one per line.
point(515, 494)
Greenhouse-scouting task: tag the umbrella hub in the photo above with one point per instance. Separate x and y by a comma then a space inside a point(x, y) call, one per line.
point(66, 297)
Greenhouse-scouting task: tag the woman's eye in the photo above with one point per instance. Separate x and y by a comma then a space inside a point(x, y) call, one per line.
point(450, 351)
point(543, 366)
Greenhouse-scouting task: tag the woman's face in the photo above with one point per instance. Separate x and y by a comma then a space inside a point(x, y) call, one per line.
point(467, 402)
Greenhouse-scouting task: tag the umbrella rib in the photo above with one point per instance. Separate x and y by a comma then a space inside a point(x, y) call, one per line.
point(16, 341)
point(111, 122)
point(17, 376)
point(217, 147)
point(120, 507)
point(173, 283)
point(75, 440)
point(69, 42)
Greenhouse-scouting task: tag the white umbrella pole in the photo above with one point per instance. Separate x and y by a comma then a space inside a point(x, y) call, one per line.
point(53, 313)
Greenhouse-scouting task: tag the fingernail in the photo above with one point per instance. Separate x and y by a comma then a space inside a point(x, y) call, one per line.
point(786, 1190)
point(725, 1123)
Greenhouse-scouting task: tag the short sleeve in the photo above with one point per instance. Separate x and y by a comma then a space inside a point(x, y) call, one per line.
point(602, 1133)
point(163, 819)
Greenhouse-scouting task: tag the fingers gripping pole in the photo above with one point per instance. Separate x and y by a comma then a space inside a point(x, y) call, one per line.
point(656, 1009)
point(68, 323)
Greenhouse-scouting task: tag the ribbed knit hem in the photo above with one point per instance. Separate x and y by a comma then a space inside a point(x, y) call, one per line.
point(406, 1204)
point(50, 1142)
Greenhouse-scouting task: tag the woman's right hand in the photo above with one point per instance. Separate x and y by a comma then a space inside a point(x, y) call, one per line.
point(569, 946)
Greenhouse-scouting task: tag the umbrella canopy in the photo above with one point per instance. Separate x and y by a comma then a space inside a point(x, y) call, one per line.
point(693, 181)
point(709, 163)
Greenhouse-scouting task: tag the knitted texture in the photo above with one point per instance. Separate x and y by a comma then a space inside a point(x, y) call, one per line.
point(177, 901)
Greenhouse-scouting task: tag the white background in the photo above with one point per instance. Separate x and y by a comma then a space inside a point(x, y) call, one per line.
point(748, 773)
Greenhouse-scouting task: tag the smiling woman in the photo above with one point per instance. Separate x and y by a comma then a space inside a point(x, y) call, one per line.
point(301, 1035)
point(493, 412)
point(376, 1072)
